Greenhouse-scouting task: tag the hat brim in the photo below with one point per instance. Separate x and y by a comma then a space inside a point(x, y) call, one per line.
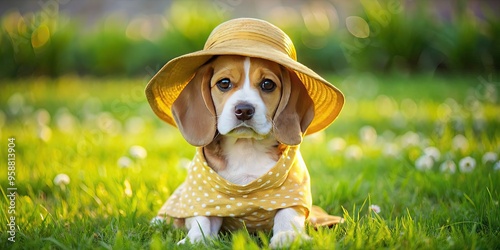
point(164, 88)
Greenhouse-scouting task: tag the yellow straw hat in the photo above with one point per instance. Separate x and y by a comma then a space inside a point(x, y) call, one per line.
point(246, 37)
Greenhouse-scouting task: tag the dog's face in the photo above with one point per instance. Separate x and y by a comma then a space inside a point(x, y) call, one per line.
point(246, 93)
point(245, 98)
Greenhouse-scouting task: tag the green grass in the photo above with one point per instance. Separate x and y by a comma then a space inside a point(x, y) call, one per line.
point(94, 122)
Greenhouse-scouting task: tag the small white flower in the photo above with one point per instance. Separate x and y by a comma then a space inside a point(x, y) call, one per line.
point(433, 152)
point(460, 142)
point(336, 144)
point(424, 163)
point(316, 138)
point(138, 152)
point(410, 139)
point(489, 157)
point(44, 133)
point(42, 116)
point(353, 152)
point(61, 180)
point(467, 164)
point(124, 162)
point(368, 135)
point(448, 166)
point(496, 167)
point(374, 208)
point(391, 149)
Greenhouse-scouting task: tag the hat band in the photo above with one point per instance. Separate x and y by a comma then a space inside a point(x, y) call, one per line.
point(285, 45)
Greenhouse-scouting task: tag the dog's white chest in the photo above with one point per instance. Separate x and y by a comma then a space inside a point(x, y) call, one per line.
point(246, 161)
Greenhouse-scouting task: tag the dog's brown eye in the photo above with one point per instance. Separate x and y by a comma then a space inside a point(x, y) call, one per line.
point(224, 85)
point(267, 85)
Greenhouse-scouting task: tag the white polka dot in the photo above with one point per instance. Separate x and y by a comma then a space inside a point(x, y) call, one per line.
point(195, 213)
point(288, 157)
point(205, 194)
point(244, 196)
point(204, 182)
point(249, 209)
point(283, 204)
point(295, 203)
point(203, 205)
point(199, 175)
point(205, 164)
point(194, 182)
point(209, 178)
point(258, 224)
point(270, 173)
point(211, 201)
point(219, 196)
point(267, 195)
point(287, 197)
point(301, 193)
point(232, 198)
point(231, 215)
point(217, 186)
point(191, 207)
point(239, 204)
point(282, 188)
point(195, 168)
point(250, 203)
point(284, 165)
point(242, 215)
point(198, 199)
point(217, 208)
point(296, 199)
point(277, 195)
point(262, 200)
point(270, 209)
point(228, 206)
point(255, 213)
point(210, 171)
point(207, 213)
point(273, 202)
point(277, 174)
point(200, 188)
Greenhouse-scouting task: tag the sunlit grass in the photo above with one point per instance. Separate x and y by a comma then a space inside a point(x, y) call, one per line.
point(91, 131)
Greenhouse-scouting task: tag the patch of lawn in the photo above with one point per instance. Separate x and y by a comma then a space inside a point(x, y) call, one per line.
point(392, 165)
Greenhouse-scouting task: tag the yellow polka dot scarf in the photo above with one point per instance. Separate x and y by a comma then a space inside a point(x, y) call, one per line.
point(205, 193)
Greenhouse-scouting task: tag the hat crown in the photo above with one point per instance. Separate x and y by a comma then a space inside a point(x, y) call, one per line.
point(256, 31)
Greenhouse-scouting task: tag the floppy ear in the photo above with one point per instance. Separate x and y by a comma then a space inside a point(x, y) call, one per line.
point(295, 110)
point(194, 111)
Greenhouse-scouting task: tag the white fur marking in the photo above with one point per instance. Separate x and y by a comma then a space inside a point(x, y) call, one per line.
point(227, 121)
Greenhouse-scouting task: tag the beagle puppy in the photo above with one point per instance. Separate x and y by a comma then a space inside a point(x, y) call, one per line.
point(262, 112)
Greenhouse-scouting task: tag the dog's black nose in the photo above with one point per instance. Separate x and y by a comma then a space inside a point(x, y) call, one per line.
point(244, 111)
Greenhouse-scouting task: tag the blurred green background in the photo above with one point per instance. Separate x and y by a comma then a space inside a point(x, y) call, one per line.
point(135, 37)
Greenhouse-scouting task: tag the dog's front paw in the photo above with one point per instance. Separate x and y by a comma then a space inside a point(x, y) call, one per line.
point(285, 239)
point(194, 239)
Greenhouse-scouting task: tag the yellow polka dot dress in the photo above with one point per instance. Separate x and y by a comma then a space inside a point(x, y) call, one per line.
point(205, 193)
